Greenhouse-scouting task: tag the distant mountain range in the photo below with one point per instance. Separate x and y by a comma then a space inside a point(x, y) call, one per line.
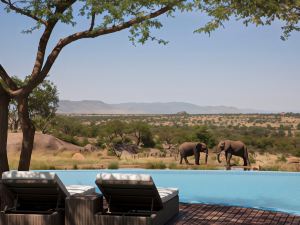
point(99, 107)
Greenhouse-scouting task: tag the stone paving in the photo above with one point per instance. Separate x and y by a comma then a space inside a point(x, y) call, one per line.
point(221, 215)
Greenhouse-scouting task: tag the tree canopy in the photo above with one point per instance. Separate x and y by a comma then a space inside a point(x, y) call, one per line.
point(140, 16)
point(109, 16)
point(43, 104)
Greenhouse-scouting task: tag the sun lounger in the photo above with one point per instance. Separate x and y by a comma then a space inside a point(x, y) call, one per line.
point(38, 198)
point(134, 199)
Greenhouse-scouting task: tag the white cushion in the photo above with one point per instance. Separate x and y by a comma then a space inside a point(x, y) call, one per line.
point(30, 175)
point(123, 177)
point(167, 193)
point(24, 175)
point(80, 189)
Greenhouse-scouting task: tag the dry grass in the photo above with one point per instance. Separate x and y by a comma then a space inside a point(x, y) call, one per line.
point(100, 160)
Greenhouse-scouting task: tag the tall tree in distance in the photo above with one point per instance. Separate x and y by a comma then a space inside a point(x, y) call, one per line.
point(42, 105)
point(111, 16)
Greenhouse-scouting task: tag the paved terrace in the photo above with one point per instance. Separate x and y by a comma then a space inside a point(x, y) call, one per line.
point(220, 215)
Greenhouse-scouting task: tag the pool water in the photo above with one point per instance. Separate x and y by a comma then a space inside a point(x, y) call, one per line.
point(279, 191)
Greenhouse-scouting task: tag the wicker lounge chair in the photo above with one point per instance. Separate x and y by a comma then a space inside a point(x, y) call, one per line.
point(39, 198)
point(134, 199)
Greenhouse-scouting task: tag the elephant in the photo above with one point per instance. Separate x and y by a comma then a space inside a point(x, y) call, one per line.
point(231, 148)
point(192, 148)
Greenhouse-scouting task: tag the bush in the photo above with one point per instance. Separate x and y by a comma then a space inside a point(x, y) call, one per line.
point(113, 166)
point(52, 168)
point(36, 165)
point(204, 167)
point(281, 158)
point(203, 134)
point(159, 146)
point(84, 142)
point(100, 143)
point(252, 159)
point(147, 140)
point(235, 160)
point(67, 138)
point(270, 168)
point(173, 166)
point(156, 165)
point(297, 153)
point(75, 167)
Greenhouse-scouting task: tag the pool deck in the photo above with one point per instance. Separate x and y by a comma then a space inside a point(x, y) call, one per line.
point(229, 215)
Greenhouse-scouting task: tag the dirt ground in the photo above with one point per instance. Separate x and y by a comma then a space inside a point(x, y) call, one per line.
point(52, 153)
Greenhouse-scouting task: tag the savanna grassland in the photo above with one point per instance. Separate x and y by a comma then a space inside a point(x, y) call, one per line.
point(151, 141)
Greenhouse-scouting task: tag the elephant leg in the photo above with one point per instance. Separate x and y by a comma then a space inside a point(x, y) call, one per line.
point(246, 163)
point(186, 161)
point(197, 159)
point(181, 159)
point(228, 158)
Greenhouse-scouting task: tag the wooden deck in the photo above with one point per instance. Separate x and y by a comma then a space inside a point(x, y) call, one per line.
point(221, 215)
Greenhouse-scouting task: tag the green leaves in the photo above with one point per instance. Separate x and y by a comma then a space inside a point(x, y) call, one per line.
point(42, 104)
point(110, 13)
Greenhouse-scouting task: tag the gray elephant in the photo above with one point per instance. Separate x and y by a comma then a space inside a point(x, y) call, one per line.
point(231, 148)
point(192, 148)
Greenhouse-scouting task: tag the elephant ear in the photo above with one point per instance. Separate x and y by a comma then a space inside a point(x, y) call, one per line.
point(198, 146)
point(222, 144)
point(227, 144)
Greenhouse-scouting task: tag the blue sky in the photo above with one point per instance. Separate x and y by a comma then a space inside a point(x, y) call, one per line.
point(246, 67)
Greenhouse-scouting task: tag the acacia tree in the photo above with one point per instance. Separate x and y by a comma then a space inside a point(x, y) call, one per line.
point(110, 16)
point(42, 104)
point(139, 130)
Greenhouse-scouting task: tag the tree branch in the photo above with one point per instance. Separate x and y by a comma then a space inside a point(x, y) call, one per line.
point(7, 79)
point(38, 78)
point(50, 24)
point(23, 12)
point(42, 49)
point(92, 22)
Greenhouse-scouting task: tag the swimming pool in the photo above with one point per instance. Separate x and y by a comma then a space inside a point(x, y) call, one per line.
point(279, 191)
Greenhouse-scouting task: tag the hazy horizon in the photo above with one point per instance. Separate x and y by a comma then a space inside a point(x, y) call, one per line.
point(159, 102)
point(243, 67)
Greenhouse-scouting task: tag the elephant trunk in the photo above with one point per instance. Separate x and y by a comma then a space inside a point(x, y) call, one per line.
point(197, 158)
point(206, 156)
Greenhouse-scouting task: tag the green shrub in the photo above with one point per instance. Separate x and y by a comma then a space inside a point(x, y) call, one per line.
point(173, 166)
point(75, 167)
point(281, 158)
point(113, 165)
point(37, 165)
point(252, 159)
point(204, 167)
point(67, 138)
point(235, 160)
point(270, 168)
point(110, 152)
point(84, 142)
point(147, 140)
point(297, 153)
point(159, 146)
point(156, 165)
point(101, 143)
point(52, 168)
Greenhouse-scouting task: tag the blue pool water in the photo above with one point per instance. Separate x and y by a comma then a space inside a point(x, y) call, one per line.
point(278, 191)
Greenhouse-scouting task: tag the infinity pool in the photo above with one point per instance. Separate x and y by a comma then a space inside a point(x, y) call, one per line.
point(279, 191)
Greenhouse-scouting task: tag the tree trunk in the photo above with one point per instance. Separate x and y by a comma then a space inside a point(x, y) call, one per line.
point(4, 102)
point(28, 130)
